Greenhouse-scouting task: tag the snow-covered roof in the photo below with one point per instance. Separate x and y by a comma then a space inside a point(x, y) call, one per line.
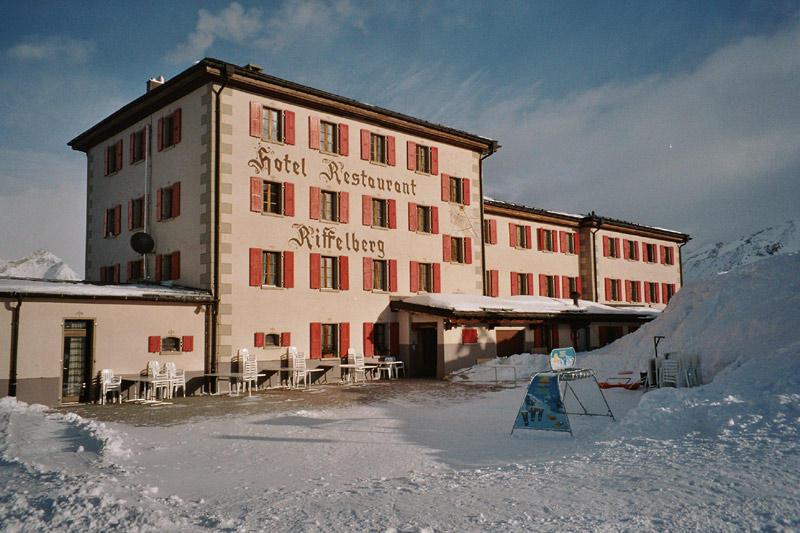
point(463, 304)
point(83, 290)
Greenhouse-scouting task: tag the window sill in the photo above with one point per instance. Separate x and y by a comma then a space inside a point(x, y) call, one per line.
point(273, 287)
point(379, 163)
point(270, 214)
point(273, 141)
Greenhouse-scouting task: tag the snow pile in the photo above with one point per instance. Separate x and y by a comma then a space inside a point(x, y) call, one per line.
point(40, 264)
point(724, 257)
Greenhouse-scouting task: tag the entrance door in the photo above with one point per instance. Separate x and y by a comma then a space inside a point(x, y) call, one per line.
point(76, 378)
point(510, 341)
point(424, 353)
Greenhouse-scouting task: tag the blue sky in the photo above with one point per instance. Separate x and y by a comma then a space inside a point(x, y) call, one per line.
point(684, 115)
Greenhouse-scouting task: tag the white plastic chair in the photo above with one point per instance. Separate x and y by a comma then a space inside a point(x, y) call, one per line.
point(177, 379)
point(300, 372)
point(159, 381)
point(361, 367)
point(110, 383)
point(248, 365)
point(668, 373)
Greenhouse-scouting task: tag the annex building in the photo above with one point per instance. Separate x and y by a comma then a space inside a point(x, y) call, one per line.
point(279, 215)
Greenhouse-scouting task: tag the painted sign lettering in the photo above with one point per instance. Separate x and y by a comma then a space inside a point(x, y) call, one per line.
point(328, 239)
point(335, 172)
point(266, 160)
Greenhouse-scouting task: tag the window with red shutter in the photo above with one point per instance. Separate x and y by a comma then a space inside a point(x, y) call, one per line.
point(413, 274)
point(469, 336)
point(411, 155)
point(494, 279)
point(366, 210)
point(288, 269)
point(369, 349)
point(412, 216)
point(187, 343)
point(154, 344)
point(445, 188)
point(344, 338)
point(446, 248)
point(316, 340)
point(289, 128)
point(256, 194)
point(255, 267)
point(390, 151)
point(344, 273)
point(392, 275)
point(437, 278)
point(258, 339)
point(514, 284)
point(468, 250)
point(314, 271)
point(367, 273)
point(286, 338)
point(313, 133)
point(365, 144)
point(434, 160)
point(466, 197)
point(344, 140)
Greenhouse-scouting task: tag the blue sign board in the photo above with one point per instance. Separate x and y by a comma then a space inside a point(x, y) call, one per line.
point(542, 407)
point(562, 358)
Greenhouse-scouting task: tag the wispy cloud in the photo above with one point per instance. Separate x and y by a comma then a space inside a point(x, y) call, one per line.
point(42, 48)
point(232, 23)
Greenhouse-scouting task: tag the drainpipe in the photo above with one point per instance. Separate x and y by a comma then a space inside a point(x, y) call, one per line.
point(594, 258)
point(12, 377)
point(148, 133)
point(680, 261)
point(211, 359)
point(480, 191)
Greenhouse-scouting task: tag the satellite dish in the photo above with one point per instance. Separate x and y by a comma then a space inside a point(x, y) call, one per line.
point(142, 243)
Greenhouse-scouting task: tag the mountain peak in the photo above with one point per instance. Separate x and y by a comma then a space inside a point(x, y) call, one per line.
point(39, 264)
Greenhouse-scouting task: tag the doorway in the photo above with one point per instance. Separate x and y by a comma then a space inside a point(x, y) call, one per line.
point(424, 351)
point(510, 341)
point(76, 378)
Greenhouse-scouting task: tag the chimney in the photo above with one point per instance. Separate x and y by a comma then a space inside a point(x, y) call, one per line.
point(575, 295)
point(253, 68)
point(152, 83)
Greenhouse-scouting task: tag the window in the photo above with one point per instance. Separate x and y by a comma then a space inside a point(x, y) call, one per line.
point(423, 158)
point(138, 147)
point(136, 213)
point(571, 285)
point(135, 269)
point(271, 197)
point(547, 240)
point(568, 243)
point(523, 287)
point(633, 291)
point(328, 140)
point(328, 205)
point(271, 268)
point(380, 274)
point(669, 291)
point(491, 280)
point(168, 266)
point(611, 247)
point(272, 339)
point(380, 339)
point(112, 223)
point(521, 237)
point(424, 219)
point(329, 272)
point(630, 250)
point(330, 340)
point(169, 130)
point(168, 202)
point(490, 231)
point(380, 278)
point(455, 190)
point(425, 277)
point(458, 252)
point(377, 148)
point(550, 287)
point(649, 252)
point(170, 344)
point(113, 158)
point(109, 274)
point(327, 137)
point(378, 212)
point(650, 292)
point(613, 290)
point(667, 255)
point(380, 216)
point(271, 124)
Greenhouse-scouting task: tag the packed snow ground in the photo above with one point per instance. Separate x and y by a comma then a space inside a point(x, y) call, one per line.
point(722, 457)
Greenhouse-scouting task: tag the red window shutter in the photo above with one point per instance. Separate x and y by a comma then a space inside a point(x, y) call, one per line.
point(412, 216)
point(465, 183)
point(119, 155)
point(344, 140)
point(635, 250)
point(537, 337)
point(288, 199)
point(130, 215)
point(446, 248)
point(316, 340)
point(313, 202)
point(578, 282)
point(344, 207)
point(565, 286)
point(102, 274)
point(390, 154)
point(616, 246)
point(434, 160)
point(367, 273)
point(286, 338)
point(540, 238)
point(313, 133)
point(528, 240)
point(130, 148)
point(154, 344)
point(105, 161)
point(392, 208)
point(256, 194)
point(445, 188)
point(255, 267)
point(469, 336)
point(557, 287)
point(394, 338)
point(562, 237)
point(344, 273)
point(369, 340)
point(645, 257)
point(158, 267)
point(176, 126)
point(365, 139)
point(176, 199)
point(314, 271)
point(413, 275)
point(116, 276)
point(494, 280)
point(606, 250)
point(646, 292)
point(187, 343)
point(493, 232)
point(608, 288)
point(628, 290)
point(577, 248)
point(392, 275)
point(626, 253)
point(366, 210)
point(288, 270)
point(255, 119)
point(160, 134)
point(468, 250)
point(176, 265)
point(344, 338)
point(530, 283)
point(514, 284)
point(411, 155)
point(288, 127)
point(117, 219)
point(159, 194)
point(542, 285)
point(258, 339)
point(437, 277)
point(664, 297)
point(434, 220)
point(662, 254)
point(512, 234)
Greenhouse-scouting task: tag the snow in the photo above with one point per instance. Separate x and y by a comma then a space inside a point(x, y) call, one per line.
point(39, 264)
point(721, 457)
point(88, 290)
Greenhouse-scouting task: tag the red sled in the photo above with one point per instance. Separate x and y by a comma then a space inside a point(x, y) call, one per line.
point(623, 382)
